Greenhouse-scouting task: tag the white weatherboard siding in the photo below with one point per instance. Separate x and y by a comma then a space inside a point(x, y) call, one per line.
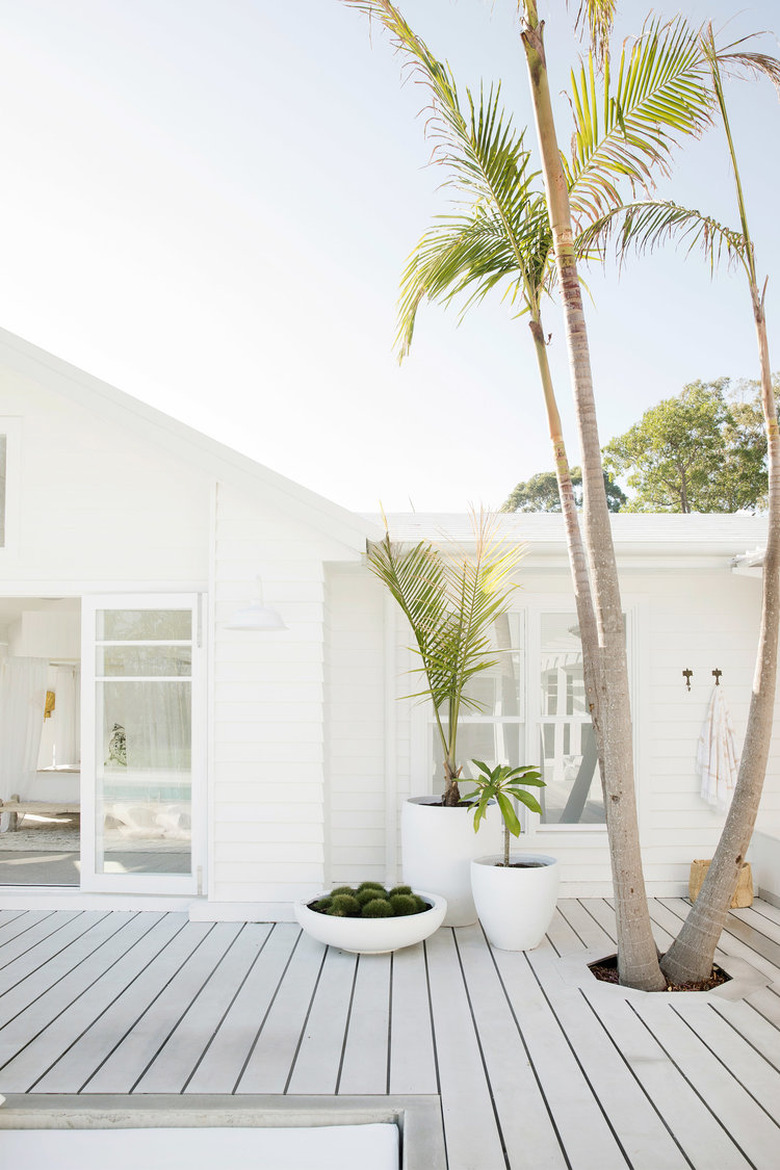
point(696, 615)
point(95, 504)
point(268, 752)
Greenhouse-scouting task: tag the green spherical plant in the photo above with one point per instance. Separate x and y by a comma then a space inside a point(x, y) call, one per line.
point(344, 906)
point(370, 900)
point(378, 908)
point(369, 893)
point(404, 904)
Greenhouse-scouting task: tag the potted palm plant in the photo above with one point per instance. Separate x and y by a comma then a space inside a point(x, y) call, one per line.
point(451, 601)
point(514, 893)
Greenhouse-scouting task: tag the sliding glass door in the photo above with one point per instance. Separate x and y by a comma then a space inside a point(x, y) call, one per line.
point(143, 732)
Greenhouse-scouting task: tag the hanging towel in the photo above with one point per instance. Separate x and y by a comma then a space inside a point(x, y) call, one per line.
point(716, 757)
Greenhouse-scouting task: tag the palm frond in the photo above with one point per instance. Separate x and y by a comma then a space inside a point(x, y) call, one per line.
point(467, 256)
point(488, 169)
point(598, 16)
point(626, 127)
point(734, 61)
point(641, 227)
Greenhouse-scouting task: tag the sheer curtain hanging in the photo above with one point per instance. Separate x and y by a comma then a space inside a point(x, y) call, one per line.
point(22, 700)
point(60, 740)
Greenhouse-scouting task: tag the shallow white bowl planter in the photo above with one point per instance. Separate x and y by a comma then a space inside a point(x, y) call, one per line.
point(437, 845)
point(515, 904)
point(371, 936)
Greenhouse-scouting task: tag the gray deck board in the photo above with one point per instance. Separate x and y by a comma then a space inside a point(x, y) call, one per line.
point(364, 1067)
point(536, 1064)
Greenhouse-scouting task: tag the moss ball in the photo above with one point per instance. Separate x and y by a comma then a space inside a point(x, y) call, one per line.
point(344, 906)
point(369, 894)
point(342, 890)
point(371, 886)
point(378, 908)
point(403, 904)
point(400, 890)
point(421, 904)
point(322, 904)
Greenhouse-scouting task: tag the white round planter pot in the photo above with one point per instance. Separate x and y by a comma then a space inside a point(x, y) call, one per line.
point(515, 905)
point(371, 936)
point(437, 846)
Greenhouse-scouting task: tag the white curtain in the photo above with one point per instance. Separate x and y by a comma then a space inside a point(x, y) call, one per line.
point(22, 702)
point(60, 740)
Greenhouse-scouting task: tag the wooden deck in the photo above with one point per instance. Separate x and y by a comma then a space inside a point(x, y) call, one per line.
point(536, 1064)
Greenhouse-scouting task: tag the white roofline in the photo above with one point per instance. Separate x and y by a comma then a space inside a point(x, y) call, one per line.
point(221, 461)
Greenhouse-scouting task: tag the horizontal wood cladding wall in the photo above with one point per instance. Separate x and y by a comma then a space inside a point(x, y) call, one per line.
point(268, 763)
point(356, 728)
point(96, 503)
point(699, 622)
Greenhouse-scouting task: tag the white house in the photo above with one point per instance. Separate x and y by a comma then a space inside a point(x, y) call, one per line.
point(232, 770)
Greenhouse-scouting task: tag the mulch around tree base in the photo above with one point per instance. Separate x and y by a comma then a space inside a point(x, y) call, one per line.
point(606, 970)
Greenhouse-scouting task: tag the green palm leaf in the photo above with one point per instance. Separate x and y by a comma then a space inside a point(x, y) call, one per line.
point(627, 127)
point(641, 227)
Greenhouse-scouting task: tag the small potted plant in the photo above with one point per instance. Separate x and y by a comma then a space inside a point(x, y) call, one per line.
point(451, 602)
point(369, 918)
point(514, 893)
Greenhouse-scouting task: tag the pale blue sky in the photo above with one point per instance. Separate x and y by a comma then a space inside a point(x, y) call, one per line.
point(208, 203)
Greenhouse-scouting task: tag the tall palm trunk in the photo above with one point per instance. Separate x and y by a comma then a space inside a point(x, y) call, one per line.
point(583, 597)
point(637, 954)
point(691, 955)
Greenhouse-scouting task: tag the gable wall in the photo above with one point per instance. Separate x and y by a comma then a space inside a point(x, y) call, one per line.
point(95, 504)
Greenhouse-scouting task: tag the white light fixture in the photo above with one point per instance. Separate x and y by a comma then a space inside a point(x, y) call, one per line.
point(257, 616)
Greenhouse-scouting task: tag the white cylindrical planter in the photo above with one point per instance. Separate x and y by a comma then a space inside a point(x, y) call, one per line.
point(515, 904)
point(437, 845)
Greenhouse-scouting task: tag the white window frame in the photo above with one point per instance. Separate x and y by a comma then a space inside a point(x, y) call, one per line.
point(157, 883)
point(422, 729)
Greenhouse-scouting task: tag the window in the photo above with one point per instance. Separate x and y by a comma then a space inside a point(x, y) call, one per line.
point(533, 711)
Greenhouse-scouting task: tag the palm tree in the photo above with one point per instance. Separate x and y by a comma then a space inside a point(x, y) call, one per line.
point(451, 604)
point(505, 230)
point(640, 228)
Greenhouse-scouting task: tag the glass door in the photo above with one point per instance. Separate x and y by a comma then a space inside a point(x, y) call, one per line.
point(142, 736)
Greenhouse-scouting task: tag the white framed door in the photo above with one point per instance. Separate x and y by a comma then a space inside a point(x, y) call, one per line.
point(143, 743)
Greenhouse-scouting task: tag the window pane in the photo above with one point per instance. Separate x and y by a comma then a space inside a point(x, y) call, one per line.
point(499, 690)
point(573, 794)
point(493, 743)
point(563, 690)
point(131, 661)
point(144, 625)
point(144, 781)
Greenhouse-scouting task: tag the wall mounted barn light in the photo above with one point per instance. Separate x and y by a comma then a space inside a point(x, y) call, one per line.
point(257, 616)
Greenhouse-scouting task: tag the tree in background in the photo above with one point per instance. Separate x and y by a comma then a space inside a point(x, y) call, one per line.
point(540, 493)
point(702, 451)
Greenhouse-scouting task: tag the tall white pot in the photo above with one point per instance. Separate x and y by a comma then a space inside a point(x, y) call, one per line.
point(437, 846)
point(515, 904)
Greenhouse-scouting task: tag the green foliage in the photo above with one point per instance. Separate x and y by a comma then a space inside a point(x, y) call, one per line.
point(499, 784)
point(540, 493)
point(451, 603)
point(370, 900)
point(702, 451)
point(344, 906)
point(403, 904)
point(378, 908)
